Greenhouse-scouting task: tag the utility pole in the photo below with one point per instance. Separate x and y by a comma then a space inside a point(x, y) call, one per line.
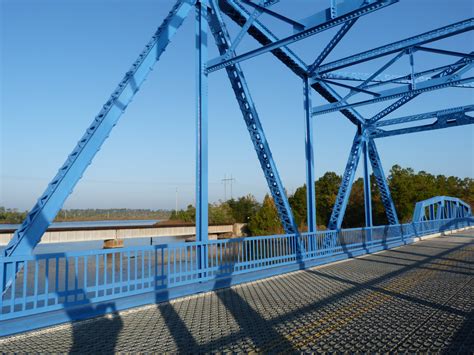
point(176, 204)
point(226, 180)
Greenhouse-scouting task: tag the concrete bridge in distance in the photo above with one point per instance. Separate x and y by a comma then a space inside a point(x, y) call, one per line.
point(119, 233)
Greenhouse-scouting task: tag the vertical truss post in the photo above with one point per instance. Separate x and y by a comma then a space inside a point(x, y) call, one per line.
point(439, 210)
point(337, 215)
point(367, 190)
point(252, 121)
point(310, 178)
point(201, 125)
point(382, 183)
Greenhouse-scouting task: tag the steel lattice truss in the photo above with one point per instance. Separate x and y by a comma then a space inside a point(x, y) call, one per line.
point(325, 78)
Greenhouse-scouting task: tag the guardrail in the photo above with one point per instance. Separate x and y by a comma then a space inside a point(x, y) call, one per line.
point(60, 281)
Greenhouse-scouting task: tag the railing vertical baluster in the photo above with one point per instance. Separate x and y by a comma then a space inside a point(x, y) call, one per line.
point(85, 260)
point(168, 276)
point(186, 262)
point(174, 265)
point(46, 281)
point(113, 273)
point(13, 287)
point(66, 279)
point(136, 270)
point(105, 274)
point(128, 270)
point(226, 256)
point(25, 283)
point(143, 269)
point(97, 275)
point(56, 281)
point(76, 277)
point(36, 284)
point(150, 255)
point(121, 271)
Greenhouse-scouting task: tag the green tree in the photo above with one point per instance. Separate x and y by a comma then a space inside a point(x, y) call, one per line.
point(243, 208)
point(266, 220)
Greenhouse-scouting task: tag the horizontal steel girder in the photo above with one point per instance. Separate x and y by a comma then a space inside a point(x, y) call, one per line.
point(398, 46)
point(425, 86)
point(385, 79)
point(448, 120)
point(424, 116)
point(221, 62)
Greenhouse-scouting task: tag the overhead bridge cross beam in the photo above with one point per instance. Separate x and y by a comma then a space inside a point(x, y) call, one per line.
point(447, 118)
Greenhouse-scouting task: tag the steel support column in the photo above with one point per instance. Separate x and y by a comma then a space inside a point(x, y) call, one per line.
point(310, 178)
point(367, 189)
point(201, 124)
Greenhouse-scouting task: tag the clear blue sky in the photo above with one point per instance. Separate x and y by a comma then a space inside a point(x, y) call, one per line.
point(62, 59)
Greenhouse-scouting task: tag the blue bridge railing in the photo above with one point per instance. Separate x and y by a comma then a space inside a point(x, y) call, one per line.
point(62, 281)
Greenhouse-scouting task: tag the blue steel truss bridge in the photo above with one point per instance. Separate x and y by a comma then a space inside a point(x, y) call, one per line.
point(47, 289)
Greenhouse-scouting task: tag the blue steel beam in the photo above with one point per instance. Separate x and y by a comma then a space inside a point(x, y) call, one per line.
point(425, 116)
point(309, 150)
point(385, 79)
point(274, 14)
point(446, 207)
point(337, 215)
point(264, 36)
point(448, 120)
point(442, 51)
point(254, 126)
point(398, 46)
point(331, 45)
point(457, 68)
point(201, 127)
point(353, 13)
point(405, 92)
point(367, 189)
point(45, 210)
point(381, 181)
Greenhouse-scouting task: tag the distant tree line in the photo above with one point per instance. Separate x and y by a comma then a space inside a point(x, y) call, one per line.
point(407, 187)
point(14, 216)
point(11, 215)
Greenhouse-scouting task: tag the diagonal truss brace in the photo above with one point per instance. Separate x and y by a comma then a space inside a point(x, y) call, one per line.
point(337, 215)
point(342, 199)
point(51, 201)
point(254, 126)
point(381, 181)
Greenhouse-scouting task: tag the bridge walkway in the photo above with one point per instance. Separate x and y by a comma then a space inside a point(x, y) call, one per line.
point(414, 298)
